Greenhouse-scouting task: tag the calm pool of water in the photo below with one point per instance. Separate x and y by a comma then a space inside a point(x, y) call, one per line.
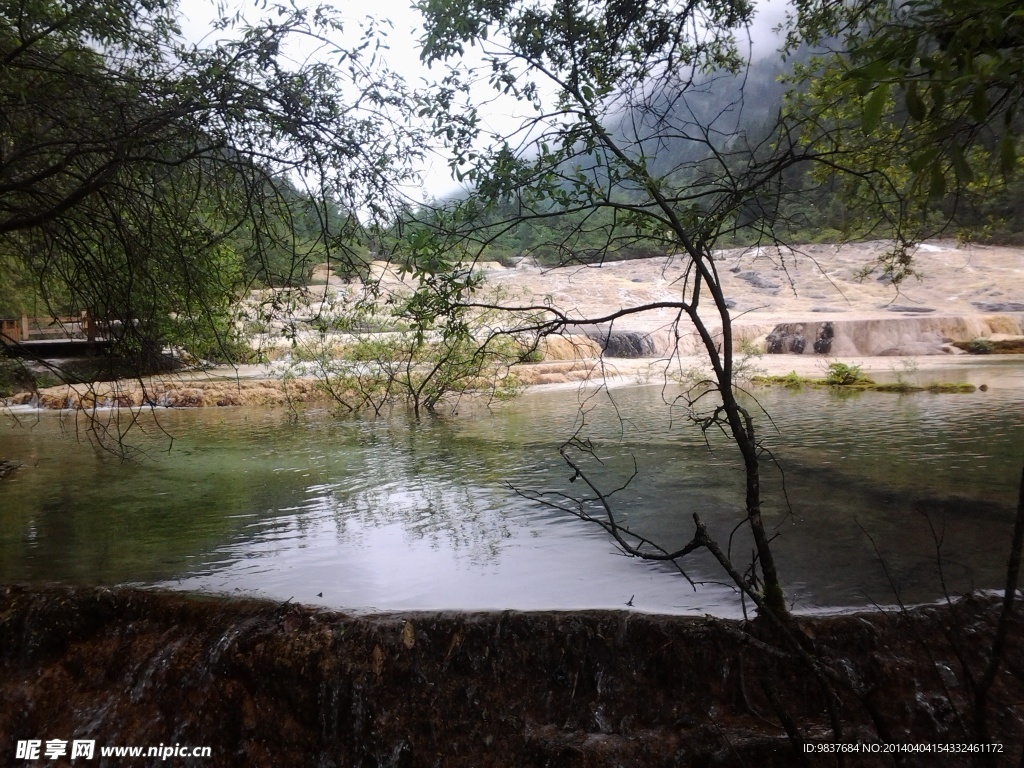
point(870, 494)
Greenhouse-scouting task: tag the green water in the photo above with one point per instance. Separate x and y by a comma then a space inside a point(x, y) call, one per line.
point(394, 514)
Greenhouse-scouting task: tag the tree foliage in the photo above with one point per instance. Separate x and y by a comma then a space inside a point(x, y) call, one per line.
point(418, 365)
point(149, 180)
point(920, 104)
point(609, 85)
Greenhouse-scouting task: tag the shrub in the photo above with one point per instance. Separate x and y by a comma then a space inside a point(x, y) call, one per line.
point(840, 374)
point(980, 347)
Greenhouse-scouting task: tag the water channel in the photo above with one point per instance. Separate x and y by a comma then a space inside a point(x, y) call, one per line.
point(879, 497)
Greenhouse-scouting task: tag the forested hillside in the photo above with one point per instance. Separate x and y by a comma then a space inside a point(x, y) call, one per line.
point(715, 117)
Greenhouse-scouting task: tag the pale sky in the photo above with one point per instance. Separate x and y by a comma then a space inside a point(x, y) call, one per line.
point(402, 56)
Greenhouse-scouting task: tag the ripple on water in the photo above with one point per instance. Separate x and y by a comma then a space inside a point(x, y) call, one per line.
point(388, 514)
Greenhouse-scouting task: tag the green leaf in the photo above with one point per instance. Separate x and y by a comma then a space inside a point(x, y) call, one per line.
point(874, 107)
point(871, 72)
point(964, 174)
point(979, 104)
point(915, 104)
point(937, 182)
point(1007, 154)
point(922, 160)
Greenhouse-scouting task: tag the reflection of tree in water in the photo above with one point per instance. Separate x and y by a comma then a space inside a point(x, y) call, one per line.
point(440, 489)
point(246, 484)
point(367, 474)
point(446, 515)
point(81, 514)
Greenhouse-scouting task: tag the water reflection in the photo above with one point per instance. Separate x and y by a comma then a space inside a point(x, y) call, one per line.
point(395, 514)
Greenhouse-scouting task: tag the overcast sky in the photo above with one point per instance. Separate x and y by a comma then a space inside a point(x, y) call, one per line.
point(403, 55)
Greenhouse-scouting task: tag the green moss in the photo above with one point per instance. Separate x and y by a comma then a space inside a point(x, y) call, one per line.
point(991, 347)
point(951, 387)
point(791, 379)
point(897, 386)
point(862, 384)
point(976, 346)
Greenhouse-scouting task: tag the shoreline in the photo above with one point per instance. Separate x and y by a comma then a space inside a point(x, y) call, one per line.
point(262, 385)
point(806, 298)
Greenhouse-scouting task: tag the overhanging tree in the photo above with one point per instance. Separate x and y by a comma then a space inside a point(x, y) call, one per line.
point(923, 100)
point(610, 86)
point(149, 180)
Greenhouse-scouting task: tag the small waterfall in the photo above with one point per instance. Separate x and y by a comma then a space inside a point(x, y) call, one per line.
point(910, 333)
point(620, 343)
point(790, 338)
point(628, 344)
point(569, 347)
point(918, 335)
point(258, 683)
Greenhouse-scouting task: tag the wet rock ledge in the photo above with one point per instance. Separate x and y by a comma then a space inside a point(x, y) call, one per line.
point(268, 684)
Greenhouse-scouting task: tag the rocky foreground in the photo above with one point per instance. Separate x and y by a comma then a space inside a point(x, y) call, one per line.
point(268, 684)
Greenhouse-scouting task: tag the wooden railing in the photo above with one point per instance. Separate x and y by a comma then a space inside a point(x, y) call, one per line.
point(17, 330)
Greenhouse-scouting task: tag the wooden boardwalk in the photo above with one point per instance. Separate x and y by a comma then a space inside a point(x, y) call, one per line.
point(53, 337)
